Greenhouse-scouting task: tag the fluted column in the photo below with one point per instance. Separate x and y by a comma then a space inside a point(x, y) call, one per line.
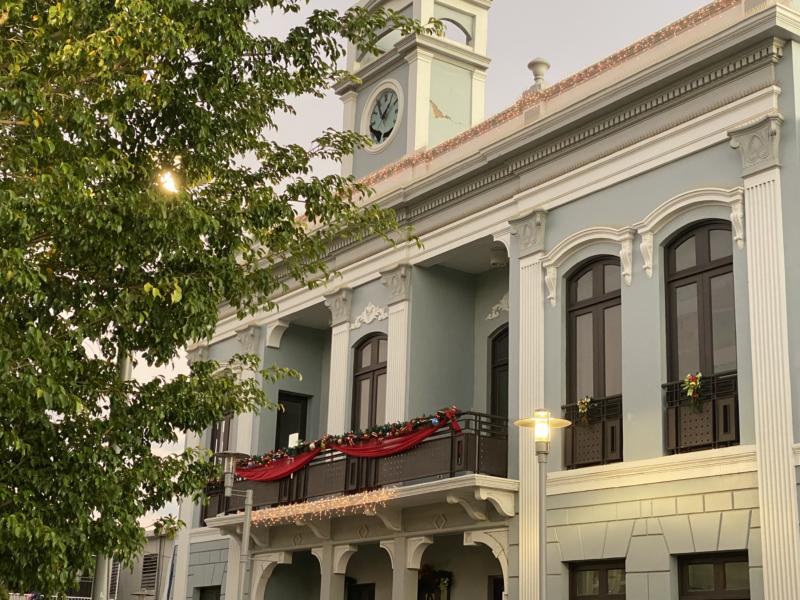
point(529, 232)
point(759, 144)
point(250, 340)
point(339, 305)
point(398, 283)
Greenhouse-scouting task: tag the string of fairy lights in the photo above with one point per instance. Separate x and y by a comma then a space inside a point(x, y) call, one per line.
point(533, 98)
point(363, 503)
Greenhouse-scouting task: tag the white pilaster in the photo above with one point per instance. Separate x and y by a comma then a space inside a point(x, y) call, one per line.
point(349, 100)
point(478, 98)
point(404, 580)
point(530, 239)
point(766, 268)
point(250, 342)
point(185, 514)
point(233, 570)
point(397, 281)
point(331, 582)
point(339, 304)
point(419, 99)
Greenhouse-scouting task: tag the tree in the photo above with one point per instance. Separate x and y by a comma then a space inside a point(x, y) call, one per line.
point(98, 261)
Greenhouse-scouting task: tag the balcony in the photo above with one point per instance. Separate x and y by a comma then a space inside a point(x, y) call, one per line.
point(481, 448)
point(712, 421)
point(596, 438)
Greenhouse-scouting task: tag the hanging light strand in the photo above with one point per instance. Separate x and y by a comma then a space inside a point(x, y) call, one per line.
point(363, 503)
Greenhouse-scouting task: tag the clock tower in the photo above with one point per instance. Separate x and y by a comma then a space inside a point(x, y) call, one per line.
point(420, 90)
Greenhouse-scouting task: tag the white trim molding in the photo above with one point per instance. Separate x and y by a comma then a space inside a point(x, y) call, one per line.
point(570, 245)
point(692, 465)
point(497, 541)
point(341, 556)
point(370, 314)
point(732, 199)
point(497, 309)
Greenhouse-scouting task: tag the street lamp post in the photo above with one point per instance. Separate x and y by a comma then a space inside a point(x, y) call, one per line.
point(229, 460)
point(543, 425)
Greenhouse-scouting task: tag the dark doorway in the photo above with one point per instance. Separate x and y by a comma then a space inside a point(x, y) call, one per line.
point(498, 402)
point(495, 588)
point(361, 591)
point(291, 418)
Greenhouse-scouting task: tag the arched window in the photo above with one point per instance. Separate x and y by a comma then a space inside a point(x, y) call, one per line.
point(498, 372)
point(701, 336)
point(594, 363)
point(701, 321)
point(594, 331)
point(369, 382)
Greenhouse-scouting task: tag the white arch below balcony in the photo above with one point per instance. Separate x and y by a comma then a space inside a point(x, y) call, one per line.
point(263, 567)
point(579, 240)
point(732, 199)
point(497, 541)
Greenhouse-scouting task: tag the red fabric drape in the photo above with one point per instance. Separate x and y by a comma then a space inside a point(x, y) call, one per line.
point(278, 469)
point(380, 447)
point(372, 448)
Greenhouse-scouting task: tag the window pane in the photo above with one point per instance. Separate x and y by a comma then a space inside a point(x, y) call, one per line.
point(616, 581)
point(685, 255)
point(583, 287)
point(613, 349)
point(700, 578)
point(723, 323)
point(737, 576)
point(290, 420)
point(611, 275)
point(688, 341)
point(500, 391)
point(720, 244)
point(366, 356)
point(383, 349)
point(380, 414)
point(584, 357)
point(587, 583)
point(364, 386)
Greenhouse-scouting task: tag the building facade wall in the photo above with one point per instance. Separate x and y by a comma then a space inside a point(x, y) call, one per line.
point(645, 511)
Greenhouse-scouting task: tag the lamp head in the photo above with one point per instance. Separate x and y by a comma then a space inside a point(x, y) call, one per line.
point(543, 425)
point(229, 461)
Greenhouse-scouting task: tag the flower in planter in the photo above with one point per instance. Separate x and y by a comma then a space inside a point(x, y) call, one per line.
point(583, 409)
point(691, 385)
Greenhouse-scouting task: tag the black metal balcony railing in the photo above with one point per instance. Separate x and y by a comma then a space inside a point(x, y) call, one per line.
point(711, 421)
point(481, 447)
point(596, 438)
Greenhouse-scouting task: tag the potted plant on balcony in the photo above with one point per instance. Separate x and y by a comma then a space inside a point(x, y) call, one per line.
point(584, 404)
point(692, 384)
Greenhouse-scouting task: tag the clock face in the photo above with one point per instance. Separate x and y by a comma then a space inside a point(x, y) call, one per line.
point(383, 116)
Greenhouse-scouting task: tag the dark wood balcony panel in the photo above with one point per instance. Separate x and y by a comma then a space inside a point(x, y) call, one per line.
point(710, 422)
point(480, 447)
point(595, 439)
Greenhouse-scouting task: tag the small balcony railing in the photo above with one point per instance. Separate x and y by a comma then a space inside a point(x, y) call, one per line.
point(480, 447)
point(594, 438)
point(710, 421)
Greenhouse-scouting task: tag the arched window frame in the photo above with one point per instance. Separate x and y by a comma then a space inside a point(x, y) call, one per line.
point(372, 372)
point(596, 304)
point(704, 270)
